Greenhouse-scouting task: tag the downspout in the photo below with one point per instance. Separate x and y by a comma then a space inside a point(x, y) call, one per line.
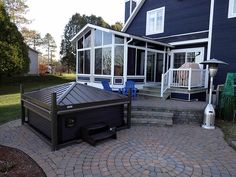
point(210, 38)
point(131, 39)
point(126, 59)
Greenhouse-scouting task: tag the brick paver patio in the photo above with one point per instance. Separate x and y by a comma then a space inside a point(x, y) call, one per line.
point(181, 150)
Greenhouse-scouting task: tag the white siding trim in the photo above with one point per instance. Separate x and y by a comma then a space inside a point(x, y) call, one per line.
point(231, 13)
point(177, 35)
point(90, 26)
point(189, 42)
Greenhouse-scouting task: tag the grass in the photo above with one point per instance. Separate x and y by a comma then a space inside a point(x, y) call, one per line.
point(10, 88)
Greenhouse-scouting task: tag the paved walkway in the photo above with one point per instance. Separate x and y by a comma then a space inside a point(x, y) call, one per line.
point(181, 150)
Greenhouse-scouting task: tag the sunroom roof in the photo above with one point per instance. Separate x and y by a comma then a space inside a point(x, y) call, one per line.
point(88, 27)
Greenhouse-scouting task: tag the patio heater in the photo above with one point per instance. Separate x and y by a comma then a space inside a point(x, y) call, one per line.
point(209, 112)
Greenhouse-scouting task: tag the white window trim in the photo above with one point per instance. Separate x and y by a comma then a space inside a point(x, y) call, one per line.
point(163, 21)
point(187, 50)
point(231, 13)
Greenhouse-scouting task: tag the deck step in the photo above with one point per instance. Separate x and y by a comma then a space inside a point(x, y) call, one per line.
point(153, 91)
point(94, 139)
point(95, 133)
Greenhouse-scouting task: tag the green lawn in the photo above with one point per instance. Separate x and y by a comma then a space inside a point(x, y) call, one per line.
point(10, 88)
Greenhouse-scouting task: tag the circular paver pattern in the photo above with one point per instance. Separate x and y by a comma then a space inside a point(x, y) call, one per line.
point(181, 150)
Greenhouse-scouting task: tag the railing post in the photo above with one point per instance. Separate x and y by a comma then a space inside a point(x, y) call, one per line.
point(54, 127)
point(22, 105)
point(189, 78)
point(170, 77)
point(129, 109)
point(206, 78)
point(162, 84)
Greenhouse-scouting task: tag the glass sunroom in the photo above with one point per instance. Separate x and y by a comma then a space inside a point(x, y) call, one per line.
point(105, 54)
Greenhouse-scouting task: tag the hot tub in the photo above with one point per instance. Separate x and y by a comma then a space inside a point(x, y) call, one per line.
point(59, 112)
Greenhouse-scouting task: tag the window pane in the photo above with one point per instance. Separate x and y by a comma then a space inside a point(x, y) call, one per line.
point(80, 62)
point(119, 40)
point(107, 38)
point(87, 40)
point(140, 62)
point(98, 61)
point(159, 20)
point(80, 43)
point(151, 22)
point(131, 61)
point(106, 59)
point(98, 38)
point(179, 59)
point(191, 57)
point(87, 62)
point(234, 7)
point(119, 61)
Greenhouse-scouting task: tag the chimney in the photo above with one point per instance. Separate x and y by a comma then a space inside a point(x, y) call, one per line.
point(129, 8)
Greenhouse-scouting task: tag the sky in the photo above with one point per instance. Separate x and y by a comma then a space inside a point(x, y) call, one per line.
point(51, 16)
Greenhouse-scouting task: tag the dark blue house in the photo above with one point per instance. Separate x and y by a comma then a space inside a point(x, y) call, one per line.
point(198, 30)
point(161, 46)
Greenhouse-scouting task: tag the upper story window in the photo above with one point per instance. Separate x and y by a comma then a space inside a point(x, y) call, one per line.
point(155, 21)
point(232, 9)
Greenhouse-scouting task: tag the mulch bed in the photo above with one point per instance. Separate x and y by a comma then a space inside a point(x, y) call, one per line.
point(15, 163)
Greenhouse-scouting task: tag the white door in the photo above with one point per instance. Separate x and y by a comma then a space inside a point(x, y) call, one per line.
point(181, 56)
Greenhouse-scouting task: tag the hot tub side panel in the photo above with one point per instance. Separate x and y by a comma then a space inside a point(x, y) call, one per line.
point(39, 123)
point(69, 125)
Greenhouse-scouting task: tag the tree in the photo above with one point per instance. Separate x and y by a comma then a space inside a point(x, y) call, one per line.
point(31, 37)
point(14, 52)
point(49, 44)
point(75, 24)
point(117, 26)
point(17, 9)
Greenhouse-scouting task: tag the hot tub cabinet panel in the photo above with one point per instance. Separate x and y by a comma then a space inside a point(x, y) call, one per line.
point(59, 112)
point(69, 125)
point(41, 124)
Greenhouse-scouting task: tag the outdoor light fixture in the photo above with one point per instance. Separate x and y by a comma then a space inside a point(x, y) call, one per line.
point(209, 112)
point(168, 51)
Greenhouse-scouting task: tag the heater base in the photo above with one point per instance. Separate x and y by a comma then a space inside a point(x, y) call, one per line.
point(208, 127)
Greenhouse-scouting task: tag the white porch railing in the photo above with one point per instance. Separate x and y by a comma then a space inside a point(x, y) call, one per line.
point(183, 78)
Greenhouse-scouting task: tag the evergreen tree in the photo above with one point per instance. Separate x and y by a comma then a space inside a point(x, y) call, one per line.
point(117, 26)
point(14, 52)
point(49, 44)
point(75, 24)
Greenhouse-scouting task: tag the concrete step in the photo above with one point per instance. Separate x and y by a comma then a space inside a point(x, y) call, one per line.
point(151, 114)
point(180, 116)
point(151, 117)
point(159, 122)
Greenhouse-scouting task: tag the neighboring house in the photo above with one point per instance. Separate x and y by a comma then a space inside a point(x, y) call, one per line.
point(158, 37)
point(34, 62)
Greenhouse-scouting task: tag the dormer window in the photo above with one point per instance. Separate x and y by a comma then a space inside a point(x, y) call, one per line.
point(155, 21)
point(232, 9)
